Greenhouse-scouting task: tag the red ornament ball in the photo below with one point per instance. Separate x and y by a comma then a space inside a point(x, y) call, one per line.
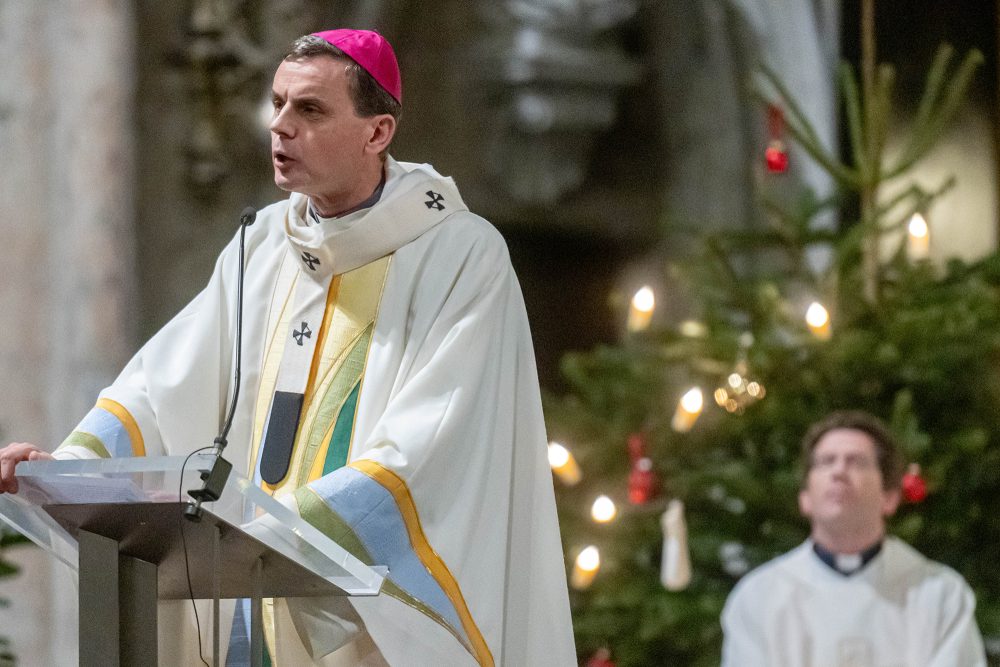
point(776, 157)
point(914, 485)
point(601, 658)
point(642, 482)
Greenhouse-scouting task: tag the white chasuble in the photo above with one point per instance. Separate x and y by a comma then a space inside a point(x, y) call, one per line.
point(421, 379)
point(899, 610)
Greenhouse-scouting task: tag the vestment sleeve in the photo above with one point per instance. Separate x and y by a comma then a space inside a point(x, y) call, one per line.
point(958, 639)
point(744, 641)
point(170, 396)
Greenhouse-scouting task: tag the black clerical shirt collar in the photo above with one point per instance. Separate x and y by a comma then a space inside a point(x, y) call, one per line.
point(368, 203)
point(847, 564)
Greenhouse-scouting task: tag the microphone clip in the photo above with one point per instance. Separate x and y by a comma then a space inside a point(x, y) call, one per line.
point(213, 482)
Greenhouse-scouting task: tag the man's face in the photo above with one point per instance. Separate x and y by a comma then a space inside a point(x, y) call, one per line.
point(843, 492)
point(319, 145)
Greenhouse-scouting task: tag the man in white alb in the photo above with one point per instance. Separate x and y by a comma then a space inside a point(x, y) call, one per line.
point(389, 389)
point(851, 596)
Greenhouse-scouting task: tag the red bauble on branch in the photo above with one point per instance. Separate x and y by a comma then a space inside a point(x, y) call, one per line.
point(914, 485)
point(601, 658)
point(776, 154)
point(642, 482)
point(776, 157)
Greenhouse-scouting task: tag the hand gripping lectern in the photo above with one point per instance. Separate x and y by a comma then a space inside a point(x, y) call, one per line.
point(120, 524)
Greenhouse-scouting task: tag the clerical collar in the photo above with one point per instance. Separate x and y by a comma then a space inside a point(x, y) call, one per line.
point(368, 203)
point(847, 564)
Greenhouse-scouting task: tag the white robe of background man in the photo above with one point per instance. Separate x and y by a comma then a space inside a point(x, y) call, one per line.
point(449, 411)
point(900, 610)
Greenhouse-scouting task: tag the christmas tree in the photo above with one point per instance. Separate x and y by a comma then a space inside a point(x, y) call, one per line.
point(7, 538)
point(710, 410)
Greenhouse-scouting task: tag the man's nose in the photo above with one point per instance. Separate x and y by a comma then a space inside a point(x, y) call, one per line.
point(839, 467)
point(281, 123)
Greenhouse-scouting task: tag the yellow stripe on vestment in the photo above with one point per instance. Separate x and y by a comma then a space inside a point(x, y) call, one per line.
point(317, 440)
point(434, 564)
point(128, 421)
point(352, 305)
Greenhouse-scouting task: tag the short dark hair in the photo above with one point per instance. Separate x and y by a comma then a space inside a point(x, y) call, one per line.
point(887, 449)
point(370, 99)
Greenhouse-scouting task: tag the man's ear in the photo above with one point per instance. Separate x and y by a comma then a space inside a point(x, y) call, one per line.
point(890, 502)
point(383, 129)
point(805, 504)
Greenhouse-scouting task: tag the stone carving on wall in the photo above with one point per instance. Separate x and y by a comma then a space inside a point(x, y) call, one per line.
point(551, 76)
point(220, 61)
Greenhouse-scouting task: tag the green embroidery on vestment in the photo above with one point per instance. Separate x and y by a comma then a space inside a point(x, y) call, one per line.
point(87, 441)
point(340, 439)
point(335, 403)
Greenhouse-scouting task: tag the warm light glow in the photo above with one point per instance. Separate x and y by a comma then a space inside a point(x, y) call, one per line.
point(563, 464)
point(603, 509)
point(918, 226)
point(918, 240)
point(818, 320)
point(688, 410)
point(644, 301)
point(721, 396)
point(755, 390)
point(585, 568)
point(693, 329)
point(640, 313)
point(589, 559)
point(558, 455)
point(817, 316)
point(693, 401)
point(735, 380)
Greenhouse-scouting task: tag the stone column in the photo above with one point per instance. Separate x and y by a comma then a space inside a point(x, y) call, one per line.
point(66, 228)
point(90, 204)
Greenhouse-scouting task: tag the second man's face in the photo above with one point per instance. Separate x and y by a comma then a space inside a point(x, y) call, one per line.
point(844, 489)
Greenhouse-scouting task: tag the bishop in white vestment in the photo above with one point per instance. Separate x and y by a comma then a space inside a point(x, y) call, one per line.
point(389, 395)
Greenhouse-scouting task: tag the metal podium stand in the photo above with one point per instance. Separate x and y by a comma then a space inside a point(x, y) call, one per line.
point(119, 522)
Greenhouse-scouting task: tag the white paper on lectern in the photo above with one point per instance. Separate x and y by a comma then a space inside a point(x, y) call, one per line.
point(72, 490)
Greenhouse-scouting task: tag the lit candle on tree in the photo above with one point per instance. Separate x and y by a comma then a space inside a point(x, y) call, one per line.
point(688, 410)
point(603, 510)
point(588, 562)
point(918, 238)
point(563, 464)
point(641, 310)
point(818, 320)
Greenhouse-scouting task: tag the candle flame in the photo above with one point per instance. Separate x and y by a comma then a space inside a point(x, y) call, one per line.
point(589, 559)
point(644, 301)
point(918, 226)
point(817, 316)
point(558, 455)
point(603, 510)
point(692, 401)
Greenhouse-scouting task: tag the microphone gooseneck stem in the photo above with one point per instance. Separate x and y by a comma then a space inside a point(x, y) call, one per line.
point(221, 442)
point(214, 480)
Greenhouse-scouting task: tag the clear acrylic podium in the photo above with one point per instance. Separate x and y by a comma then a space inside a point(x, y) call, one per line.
point(120, 524)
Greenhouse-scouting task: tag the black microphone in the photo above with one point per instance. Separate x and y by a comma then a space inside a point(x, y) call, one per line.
point(248, 216)
point(214, 480)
